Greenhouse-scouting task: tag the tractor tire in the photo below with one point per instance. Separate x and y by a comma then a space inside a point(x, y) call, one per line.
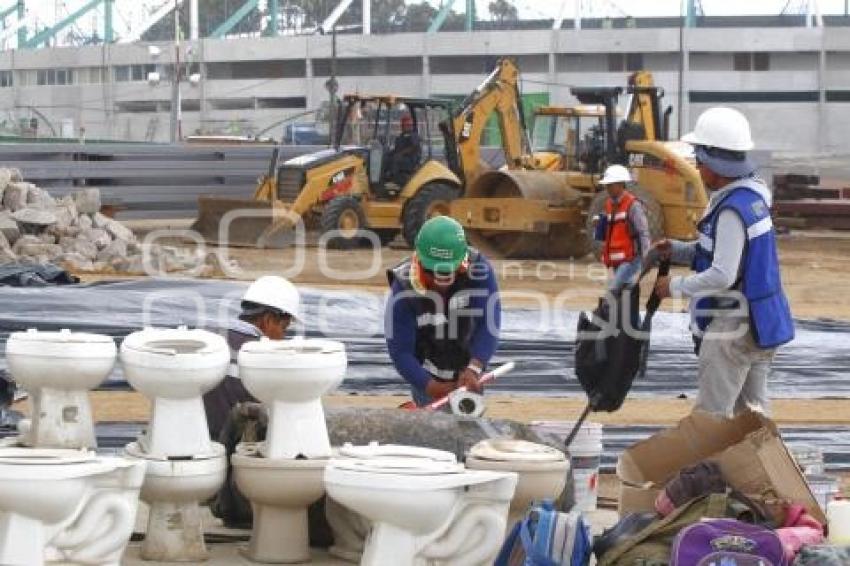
point(651, 207)
point(344, 215)
point(432, 200)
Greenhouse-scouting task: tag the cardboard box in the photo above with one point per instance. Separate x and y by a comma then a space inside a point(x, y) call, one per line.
point(749, 449)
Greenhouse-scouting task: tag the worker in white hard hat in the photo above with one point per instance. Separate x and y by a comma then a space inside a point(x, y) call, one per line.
point(268, 307)
point(622, 229)
point(740, 313)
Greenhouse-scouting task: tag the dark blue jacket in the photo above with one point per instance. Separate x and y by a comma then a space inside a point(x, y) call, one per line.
point(431, 335)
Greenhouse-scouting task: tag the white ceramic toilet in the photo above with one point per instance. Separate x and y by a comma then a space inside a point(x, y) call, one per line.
point(424, 507)
point(290, 377)
point(174, 368)
point(174, 489)
point(283, 475)
point(541, 470)
point(58, 369)
point(68, 505)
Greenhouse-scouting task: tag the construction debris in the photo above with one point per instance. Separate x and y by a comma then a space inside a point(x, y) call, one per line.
point(72, 232)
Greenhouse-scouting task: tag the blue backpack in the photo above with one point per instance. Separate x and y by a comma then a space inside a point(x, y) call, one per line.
point(547, 537)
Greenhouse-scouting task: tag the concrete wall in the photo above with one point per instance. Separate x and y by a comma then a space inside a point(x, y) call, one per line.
point(251, 84)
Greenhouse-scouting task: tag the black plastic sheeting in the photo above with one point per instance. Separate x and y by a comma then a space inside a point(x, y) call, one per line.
point(815, 365)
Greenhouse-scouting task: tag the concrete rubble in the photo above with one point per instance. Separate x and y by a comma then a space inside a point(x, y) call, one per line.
point(72, 232)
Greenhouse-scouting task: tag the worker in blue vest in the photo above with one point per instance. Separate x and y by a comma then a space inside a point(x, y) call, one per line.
point(739, 311)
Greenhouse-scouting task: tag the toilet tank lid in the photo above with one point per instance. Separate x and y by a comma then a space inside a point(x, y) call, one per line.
point(399, 451)
point(513, 450)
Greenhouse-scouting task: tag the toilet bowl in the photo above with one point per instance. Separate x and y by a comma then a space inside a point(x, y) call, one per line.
point(65, 504)
point(290, 377)
point(280, 490)
point(57, 369)
point(424, 507)
point(174, 488)
point(541, 470)
point(174, 368)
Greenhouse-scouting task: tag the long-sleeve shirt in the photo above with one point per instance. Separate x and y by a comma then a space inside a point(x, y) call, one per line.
point(729, 242)
point(401, 335)
point(640, 227)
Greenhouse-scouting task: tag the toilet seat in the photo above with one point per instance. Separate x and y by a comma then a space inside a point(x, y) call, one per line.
point(175, 348)
point(391, 466)
point(397, 459)
point(511, 450)
point(61, 344)
point(297, 353)
point(50, 463)
point(375, 450)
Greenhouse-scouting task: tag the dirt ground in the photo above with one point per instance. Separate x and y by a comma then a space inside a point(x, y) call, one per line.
point(814, 269)
point(129, 406)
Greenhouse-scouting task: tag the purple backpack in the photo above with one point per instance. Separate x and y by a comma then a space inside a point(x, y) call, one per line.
point(726, 542)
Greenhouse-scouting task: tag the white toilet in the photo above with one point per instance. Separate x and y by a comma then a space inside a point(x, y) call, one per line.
point(541, 470)
point(283, 475)
point(424, 507)
point(290, 377)
point(68, 505)
point(58, 369)
point(174, 368)
point(174, 489)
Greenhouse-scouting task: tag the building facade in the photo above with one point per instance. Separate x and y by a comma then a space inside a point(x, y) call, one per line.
point(792, 82)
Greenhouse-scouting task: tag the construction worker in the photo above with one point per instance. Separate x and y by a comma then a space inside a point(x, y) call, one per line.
point(443, 315)
point(268, 307)
point(406, 152)
point(623, 229)
point(740, 311)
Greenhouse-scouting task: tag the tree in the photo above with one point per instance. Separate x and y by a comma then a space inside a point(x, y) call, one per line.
point(503, 11)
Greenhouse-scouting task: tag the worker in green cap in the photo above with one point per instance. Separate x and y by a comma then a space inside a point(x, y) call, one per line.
point(443, 315)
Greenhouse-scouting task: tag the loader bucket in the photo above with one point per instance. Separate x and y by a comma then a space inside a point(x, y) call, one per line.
point(235, 222)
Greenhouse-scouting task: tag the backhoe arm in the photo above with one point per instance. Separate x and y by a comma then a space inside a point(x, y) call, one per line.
point(498, 93)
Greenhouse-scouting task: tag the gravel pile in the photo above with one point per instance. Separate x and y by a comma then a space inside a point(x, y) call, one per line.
point(72, 232)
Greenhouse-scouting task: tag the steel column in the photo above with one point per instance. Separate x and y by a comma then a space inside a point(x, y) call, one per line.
point(233, 20)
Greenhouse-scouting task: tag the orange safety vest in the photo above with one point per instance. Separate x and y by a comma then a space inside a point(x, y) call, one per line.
point(619, 244)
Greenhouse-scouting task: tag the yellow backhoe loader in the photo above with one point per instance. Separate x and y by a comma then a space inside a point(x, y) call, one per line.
point(357, 187)
point(545, 213)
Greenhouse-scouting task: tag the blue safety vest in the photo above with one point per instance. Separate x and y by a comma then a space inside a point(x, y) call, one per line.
point(771, 322)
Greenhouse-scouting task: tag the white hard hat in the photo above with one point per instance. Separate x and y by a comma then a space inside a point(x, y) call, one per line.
point(721, 127)
point(276, 292)
point(615, 174)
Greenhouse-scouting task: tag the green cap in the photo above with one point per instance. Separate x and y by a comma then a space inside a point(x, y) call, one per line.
point(441, 245)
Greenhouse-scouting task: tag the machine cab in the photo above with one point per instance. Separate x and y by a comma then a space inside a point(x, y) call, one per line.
point(569, 138)
point(395, 135)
